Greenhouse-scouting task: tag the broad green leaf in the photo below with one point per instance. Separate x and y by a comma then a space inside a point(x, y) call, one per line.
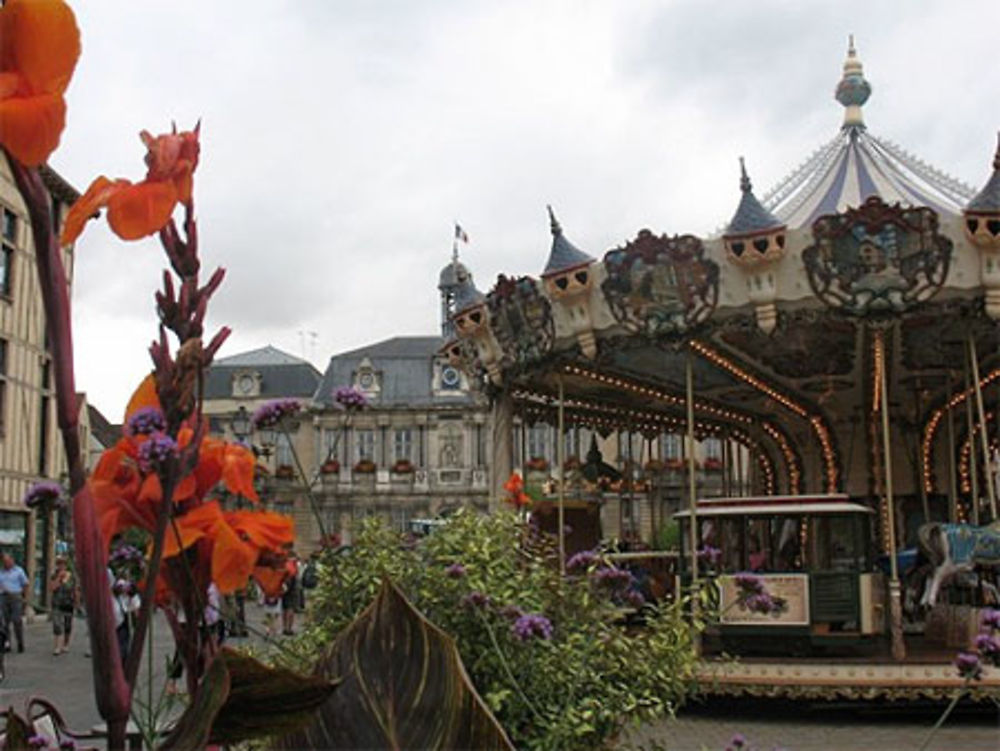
point(404, 687)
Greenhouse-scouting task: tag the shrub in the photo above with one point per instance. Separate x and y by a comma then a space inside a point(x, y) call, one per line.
point(546, 653)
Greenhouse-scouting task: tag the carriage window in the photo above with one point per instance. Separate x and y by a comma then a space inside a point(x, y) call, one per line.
point(758, 545)
point(731, 545)
point(787, 543)
point(834, 544)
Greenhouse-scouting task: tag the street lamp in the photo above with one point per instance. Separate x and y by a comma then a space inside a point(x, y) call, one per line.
point(240, 424)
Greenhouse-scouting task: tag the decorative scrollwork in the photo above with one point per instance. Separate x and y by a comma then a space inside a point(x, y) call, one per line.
point(521, 319)
point(661, 285)
point(877, 259)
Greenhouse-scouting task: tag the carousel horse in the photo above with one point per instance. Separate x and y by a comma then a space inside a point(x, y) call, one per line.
point(957, 548)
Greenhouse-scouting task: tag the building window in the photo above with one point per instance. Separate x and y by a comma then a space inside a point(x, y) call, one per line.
point(402, 447)
point(671, 446)
point(330, 438)
point(364, 446)
point(8, 241)
point(401, 516)
point(283, 450)
point(712, 448)
point(538, 442)
point(3, 383)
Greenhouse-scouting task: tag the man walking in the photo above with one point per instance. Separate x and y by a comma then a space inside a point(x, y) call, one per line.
point(13, 590)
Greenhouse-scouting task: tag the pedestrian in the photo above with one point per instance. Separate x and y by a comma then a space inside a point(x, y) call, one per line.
point(290, 594)
point(13, 591)
point(126, 603)
point(63, 596)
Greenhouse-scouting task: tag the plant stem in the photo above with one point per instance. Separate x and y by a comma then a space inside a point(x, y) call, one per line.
point(507, 669)
point(944, 716)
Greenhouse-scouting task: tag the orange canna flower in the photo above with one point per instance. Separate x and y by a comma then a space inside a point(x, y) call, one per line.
point(39, 47)
point(136, 210)
point(127, 493)
point(516, 496)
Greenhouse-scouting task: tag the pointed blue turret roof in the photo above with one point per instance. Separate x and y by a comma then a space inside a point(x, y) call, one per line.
point(750, 215)
point(988, 199)
point(467, 295)
point(564, 254)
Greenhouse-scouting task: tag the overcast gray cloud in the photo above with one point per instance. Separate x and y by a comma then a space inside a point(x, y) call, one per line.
point(341, 139)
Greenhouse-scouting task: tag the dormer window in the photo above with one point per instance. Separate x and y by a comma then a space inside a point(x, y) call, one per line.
point(367, 379)
point(246, 383)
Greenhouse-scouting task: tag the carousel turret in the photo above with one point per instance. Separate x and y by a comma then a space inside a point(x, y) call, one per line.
point(569, 281)
point(471, 320)
point(982, 228)
point(755, 241)
point(853, 89)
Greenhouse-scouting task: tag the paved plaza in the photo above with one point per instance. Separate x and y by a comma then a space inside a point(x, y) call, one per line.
point(66, 680)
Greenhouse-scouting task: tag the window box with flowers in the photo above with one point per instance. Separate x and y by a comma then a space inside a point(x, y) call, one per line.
point(572, 464)
point(329, 467)
point(537, 464)
point(284, 472)
point(365, 467)
point(675, 465)
point(402, 467)
point(712, 464)
point(653, 466)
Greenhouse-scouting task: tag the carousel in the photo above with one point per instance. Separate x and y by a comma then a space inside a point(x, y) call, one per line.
point(840, 339)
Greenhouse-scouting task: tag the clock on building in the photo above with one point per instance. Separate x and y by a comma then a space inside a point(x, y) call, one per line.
point(366, 380)
point(246, 383)
point(450, 377)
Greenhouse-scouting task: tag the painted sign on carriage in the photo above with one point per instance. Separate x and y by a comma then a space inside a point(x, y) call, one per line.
point(791, 589)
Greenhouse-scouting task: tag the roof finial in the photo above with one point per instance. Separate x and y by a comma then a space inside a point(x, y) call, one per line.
point(996, 158)
point(745, 184)
point(853, 90)
point(553, 222)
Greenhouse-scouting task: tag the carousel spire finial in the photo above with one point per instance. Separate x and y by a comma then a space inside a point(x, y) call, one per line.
point(996, 158)
point(745, 184)
point(853, 90)
point(553, 222)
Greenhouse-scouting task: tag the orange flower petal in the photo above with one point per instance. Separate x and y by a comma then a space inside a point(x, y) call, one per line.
point(187, 529)
point(30, 127)
point(238, 465)
point(232, 559)
point(263, 528)
point(144, 396)
point(269, 579)
point(141, 209)
point(40, 39)
point(96, 197)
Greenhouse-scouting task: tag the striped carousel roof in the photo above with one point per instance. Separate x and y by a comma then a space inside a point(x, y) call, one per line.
point(856, 165)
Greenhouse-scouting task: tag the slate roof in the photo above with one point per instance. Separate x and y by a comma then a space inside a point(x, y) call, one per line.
point(105, 433)
point(988, 199)
point(281, 374)
point(750, 215)
point(564, 254)
point(405, 366)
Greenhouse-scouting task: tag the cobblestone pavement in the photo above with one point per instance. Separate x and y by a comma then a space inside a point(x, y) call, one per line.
point(811, 727)
point(66, 680)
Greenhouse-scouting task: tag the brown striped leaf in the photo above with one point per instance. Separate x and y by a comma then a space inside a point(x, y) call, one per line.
point(241, 698)
point(404, 687)
point(16, 733)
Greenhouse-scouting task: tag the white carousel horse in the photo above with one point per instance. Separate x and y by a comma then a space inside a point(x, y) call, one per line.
point(957, 548)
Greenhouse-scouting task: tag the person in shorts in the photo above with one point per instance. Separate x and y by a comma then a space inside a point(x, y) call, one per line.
point(63, 596)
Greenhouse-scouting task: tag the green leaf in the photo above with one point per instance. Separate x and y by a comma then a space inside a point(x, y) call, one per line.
point(404, 687)
point(240, 698)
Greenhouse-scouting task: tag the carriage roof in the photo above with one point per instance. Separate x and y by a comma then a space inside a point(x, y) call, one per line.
point(777, 505)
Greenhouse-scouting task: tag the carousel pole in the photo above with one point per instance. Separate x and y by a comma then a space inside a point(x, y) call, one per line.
point(560, 450)
point(952, 474)
point(895, 592)
point(984, 439)
point(973, 464)
point(502, 445)
point(692, 494)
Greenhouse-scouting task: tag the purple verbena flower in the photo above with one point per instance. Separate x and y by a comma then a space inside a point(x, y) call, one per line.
point(749, 583)
point(991, 619)
point(270, 413)
point(349, 398)
point(969, 666)
point(43, 494)
point(455, 571)
point(532, 625)
point(581, 561)
point(155, 450)
point(146, 421)
point(38, 741)
point(988, 646)
point(613, 578)
point(476, 599)
point(126, 554)
point(709, 554)
point(738, 740)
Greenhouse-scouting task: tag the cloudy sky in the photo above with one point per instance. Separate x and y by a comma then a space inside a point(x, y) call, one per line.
point(342, 139)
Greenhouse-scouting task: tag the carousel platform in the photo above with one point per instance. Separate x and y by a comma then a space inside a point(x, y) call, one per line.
point(926, 673)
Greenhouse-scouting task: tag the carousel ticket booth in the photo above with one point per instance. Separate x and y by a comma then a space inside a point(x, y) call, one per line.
point(840, 339)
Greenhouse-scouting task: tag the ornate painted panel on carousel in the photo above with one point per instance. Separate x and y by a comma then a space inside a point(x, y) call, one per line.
point(661, 285)
point(877, 258)
point(521, 319)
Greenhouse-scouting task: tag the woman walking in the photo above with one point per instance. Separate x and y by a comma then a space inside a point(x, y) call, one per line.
point(63, 596)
